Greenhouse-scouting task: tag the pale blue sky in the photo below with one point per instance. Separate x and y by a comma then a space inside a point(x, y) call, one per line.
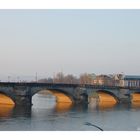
point(72, 41)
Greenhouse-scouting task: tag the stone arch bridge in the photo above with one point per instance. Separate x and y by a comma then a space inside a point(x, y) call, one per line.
point(21, 93)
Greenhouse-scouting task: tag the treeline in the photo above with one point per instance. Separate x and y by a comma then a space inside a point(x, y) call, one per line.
point(85, 78)
point(60, 77)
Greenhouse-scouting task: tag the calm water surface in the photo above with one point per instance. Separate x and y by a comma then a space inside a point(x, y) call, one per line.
point(46, 115)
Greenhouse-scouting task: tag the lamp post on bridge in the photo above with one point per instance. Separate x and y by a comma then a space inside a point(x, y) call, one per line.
point(9, 78)
point(36, 78)
point(18, 79)
point(53, 77)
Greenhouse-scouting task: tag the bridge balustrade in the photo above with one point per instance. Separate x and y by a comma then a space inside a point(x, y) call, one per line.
point(35, 84)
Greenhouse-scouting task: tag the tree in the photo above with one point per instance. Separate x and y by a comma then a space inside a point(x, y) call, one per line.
point(86, 78)
point(59, 78)
point(70, 79)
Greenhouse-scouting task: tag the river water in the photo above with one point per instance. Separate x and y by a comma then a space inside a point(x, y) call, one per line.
point(46, 115)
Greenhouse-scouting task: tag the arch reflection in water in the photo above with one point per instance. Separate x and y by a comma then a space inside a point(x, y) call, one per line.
point(58, 96)
point(51, 101)
point(6, 110)
point(45, 101)
point(135, 105)
point(6, 106)
point(106, 105)
point(106, 101)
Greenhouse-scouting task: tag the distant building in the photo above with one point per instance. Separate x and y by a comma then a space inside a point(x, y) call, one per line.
point(104, 80)
point(118, 78)
point(131, 81)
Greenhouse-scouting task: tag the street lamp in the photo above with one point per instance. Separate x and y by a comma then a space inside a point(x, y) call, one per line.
point(9, 78)
point(36, 77)
point(18, 79)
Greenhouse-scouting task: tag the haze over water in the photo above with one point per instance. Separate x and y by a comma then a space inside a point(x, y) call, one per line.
point(72, 41)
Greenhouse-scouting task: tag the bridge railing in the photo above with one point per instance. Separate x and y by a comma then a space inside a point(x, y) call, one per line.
point(65, 85)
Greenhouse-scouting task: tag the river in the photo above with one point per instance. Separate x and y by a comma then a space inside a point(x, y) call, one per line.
point(47, 115)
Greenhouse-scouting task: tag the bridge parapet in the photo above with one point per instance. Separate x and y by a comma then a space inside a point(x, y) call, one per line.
point(21, 93)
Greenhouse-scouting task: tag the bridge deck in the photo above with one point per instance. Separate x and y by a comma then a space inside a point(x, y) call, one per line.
point(35, 84)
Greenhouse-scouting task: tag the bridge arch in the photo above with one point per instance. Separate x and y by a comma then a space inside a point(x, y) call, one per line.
point(137, 91)
point(58, 93)
point(109, 93)
point(9, 95)
point(135, 96)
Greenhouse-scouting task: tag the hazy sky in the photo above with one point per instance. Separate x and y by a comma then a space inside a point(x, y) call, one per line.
point(72, 41)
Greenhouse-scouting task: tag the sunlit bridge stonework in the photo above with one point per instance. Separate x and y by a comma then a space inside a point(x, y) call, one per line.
point(22, 93)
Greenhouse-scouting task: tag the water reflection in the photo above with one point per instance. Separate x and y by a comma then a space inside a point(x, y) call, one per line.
point(80, 108)
point(102, 102)
point(6, 110)
point(46, 104)
point(106, 105)
point(48, 115)
point(93, 103)
point(101, 105)
point(135, 104)
point(21, 111)
point(63, 107)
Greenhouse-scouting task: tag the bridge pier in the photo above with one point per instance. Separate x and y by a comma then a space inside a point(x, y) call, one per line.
point(84, 98)
point(23, 100)
point(124, 96)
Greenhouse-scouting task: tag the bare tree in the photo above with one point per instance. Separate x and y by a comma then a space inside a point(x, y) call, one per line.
point(86, 78)
point(59, 78)
point(70, 79)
